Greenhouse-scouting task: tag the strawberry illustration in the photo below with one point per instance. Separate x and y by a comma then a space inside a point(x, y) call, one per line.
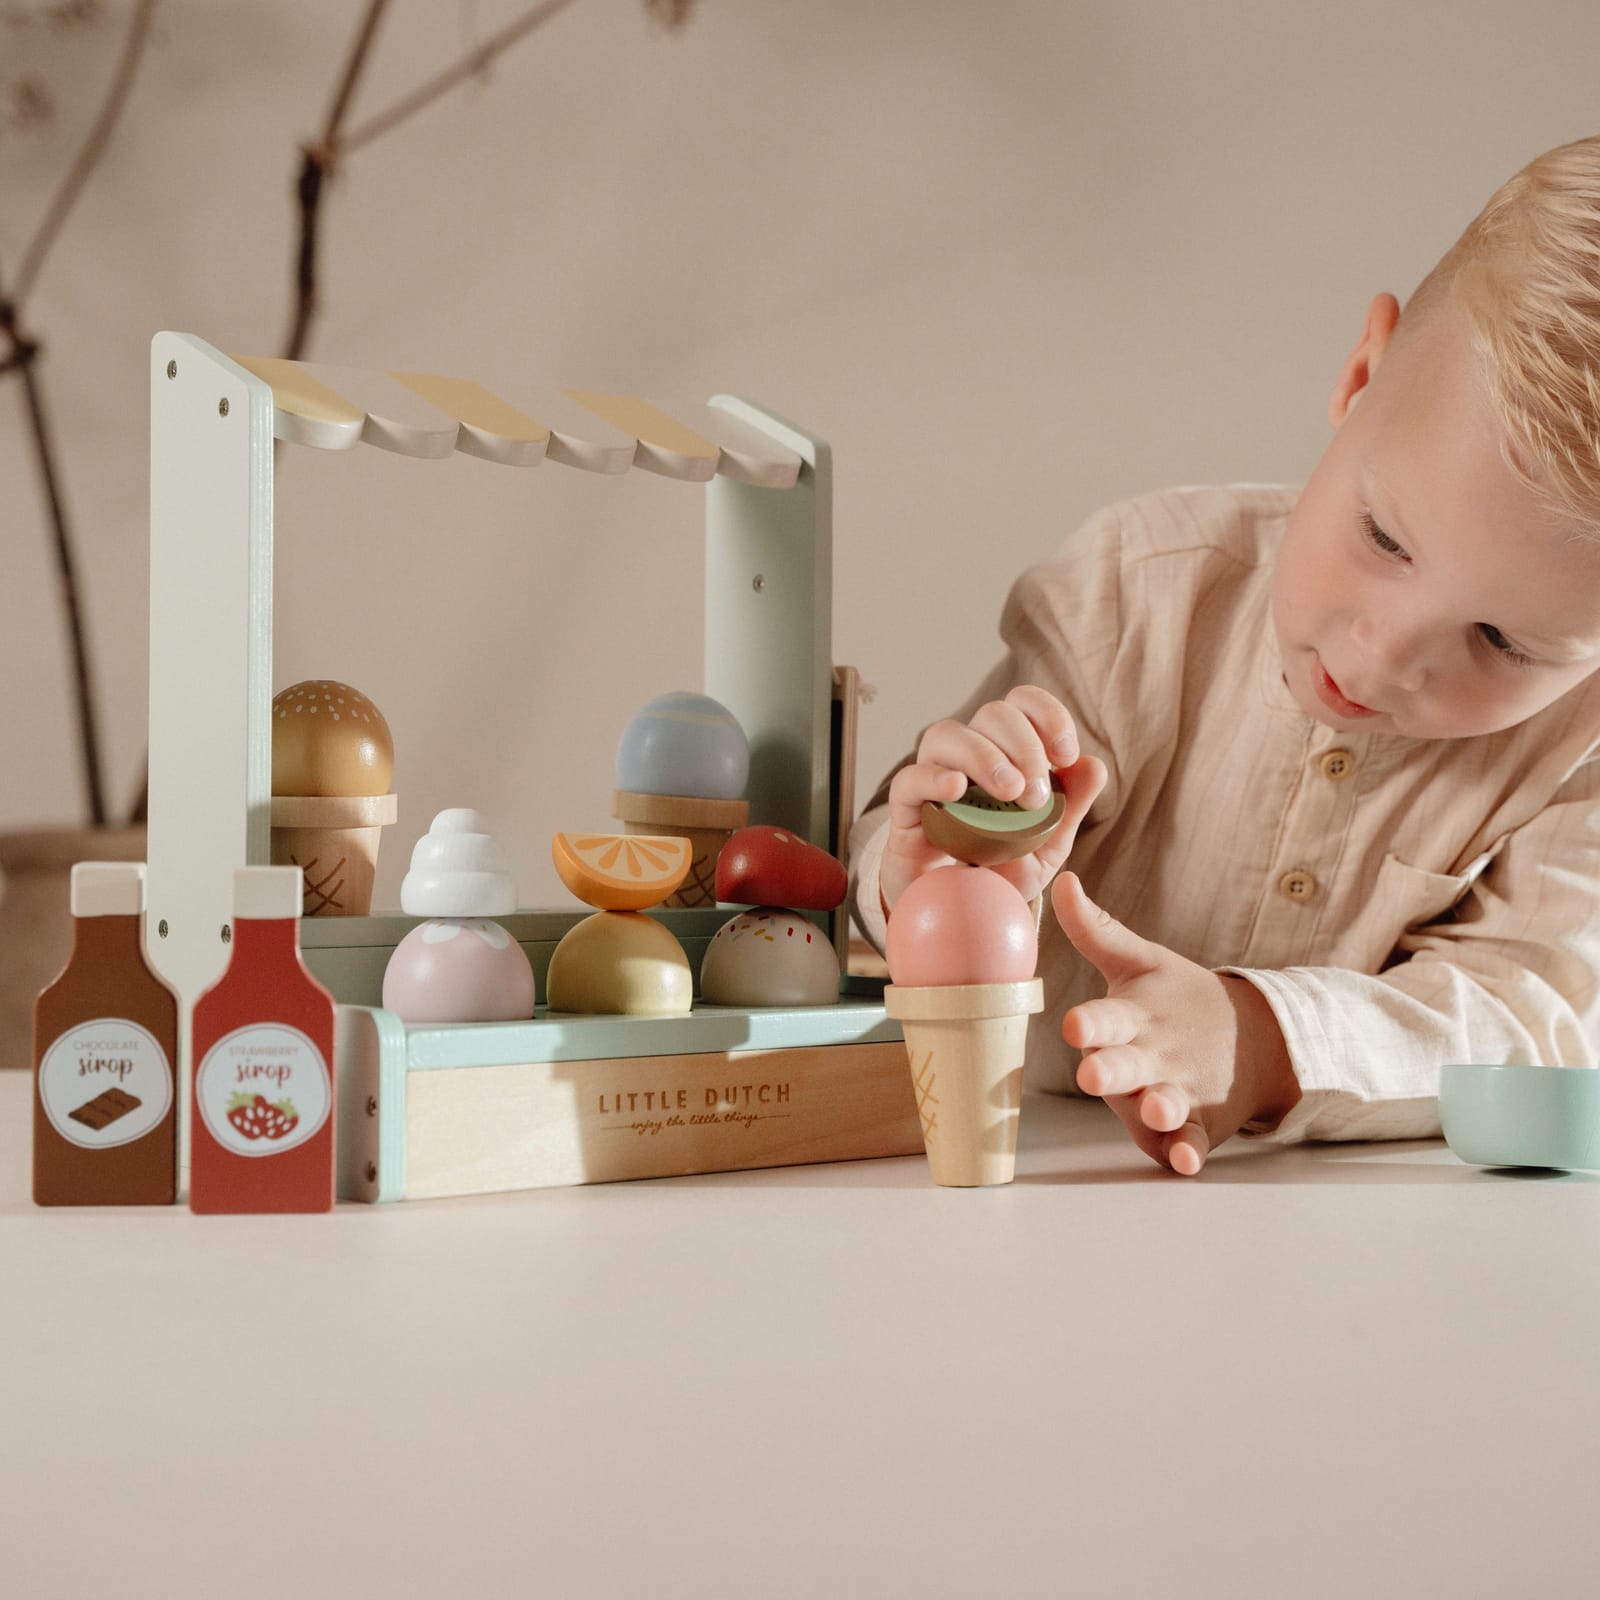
point(257, 1118)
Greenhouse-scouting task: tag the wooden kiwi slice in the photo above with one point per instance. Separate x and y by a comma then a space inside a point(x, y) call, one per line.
point(985, 832)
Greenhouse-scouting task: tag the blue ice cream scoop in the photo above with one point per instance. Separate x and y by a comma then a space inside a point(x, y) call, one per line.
point(684, 744)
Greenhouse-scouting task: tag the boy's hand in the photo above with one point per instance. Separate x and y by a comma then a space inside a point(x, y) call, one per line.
point(1010, 748)
point(1185, 1057)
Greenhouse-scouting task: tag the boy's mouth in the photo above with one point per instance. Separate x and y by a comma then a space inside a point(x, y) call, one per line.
point(1332, 696)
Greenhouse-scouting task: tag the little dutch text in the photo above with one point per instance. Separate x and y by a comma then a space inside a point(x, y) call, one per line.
point(732, 1095)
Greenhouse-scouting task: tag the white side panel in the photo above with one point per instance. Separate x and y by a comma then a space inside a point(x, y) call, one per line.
point(769, 625)
point(210, 656)
point(362, 1040)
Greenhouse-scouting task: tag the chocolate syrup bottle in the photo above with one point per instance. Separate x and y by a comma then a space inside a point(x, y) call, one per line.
point(105, 1037)
point(262, 1132)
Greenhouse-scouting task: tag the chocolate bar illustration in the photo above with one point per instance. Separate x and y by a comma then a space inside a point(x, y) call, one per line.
point(105, 1108)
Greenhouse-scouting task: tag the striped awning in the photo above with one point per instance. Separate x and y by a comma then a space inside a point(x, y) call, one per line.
point(426, 415)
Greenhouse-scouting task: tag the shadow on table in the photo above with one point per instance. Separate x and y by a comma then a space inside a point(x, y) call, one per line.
point(1078, 1142)
point(1409, 1162)
point(1100, 1152)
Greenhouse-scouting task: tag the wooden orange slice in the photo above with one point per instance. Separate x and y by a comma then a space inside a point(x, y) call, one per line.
point(621, 871)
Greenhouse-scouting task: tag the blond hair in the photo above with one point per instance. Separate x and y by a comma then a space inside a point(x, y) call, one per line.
point(1527, 274)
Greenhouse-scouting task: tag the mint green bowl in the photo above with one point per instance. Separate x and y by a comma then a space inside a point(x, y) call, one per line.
point(1521, 1116)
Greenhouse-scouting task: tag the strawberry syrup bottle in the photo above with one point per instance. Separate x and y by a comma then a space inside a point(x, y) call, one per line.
point(263, 1049)
point(105, 1040)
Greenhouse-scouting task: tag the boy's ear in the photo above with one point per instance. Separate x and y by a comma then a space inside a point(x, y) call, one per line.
point(1383, 316)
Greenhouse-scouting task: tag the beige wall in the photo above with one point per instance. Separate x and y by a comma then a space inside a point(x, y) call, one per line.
point(1011, 259)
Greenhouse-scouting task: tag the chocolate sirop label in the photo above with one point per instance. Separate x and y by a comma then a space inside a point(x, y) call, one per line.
point(104, 1083)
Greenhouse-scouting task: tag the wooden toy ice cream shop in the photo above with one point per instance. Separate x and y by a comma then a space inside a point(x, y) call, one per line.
point(437, 1109)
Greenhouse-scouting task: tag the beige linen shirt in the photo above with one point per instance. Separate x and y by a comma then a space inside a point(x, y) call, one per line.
point(1400, 903)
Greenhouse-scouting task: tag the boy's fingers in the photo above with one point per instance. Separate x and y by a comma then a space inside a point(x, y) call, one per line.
point(1118, 1069)
point(1094, 1024)
point(1052, 720)
point(1010, 746)
point(970, 751)
point(1164, 1108)
point(917, 783)
point(1081, 784)
point(1009, 730)
point(1185, 1151)
point(1151, 1143)
point(1119, 953)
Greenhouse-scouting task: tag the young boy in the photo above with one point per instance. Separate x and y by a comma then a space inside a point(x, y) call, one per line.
point(1331, 752)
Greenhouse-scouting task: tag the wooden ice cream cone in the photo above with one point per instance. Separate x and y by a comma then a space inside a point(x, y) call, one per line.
point(706, 824)
point(966, 1043)
point(333, 839)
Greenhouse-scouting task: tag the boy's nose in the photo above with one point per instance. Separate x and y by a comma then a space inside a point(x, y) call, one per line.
point(1396, 655)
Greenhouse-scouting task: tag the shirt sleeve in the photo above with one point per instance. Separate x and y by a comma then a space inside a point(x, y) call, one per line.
point(1062, 627)
point(1512, 976)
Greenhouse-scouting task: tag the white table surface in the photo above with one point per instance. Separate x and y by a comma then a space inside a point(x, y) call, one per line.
point(1336, 1370)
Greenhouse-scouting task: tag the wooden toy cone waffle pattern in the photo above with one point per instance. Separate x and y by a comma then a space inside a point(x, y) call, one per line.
point(706, 824)
point(966, 1043)
point(700, 887)
point(334, 840)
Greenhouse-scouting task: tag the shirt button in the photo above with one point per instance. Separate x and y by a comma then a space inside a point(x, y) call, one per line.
point(1337, 765)
point(1298, 885)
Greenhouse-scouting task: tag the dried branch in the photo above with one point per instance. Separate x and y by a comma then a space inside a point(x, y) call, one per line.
point(352, 72)
point(469, 66)
point(24, 356)
point(670, 13)
point(88, 157)
point(317, 161)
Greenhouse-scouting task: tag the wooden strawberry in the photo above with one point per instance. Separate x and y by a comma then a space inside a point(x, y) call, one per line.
point(768, 866)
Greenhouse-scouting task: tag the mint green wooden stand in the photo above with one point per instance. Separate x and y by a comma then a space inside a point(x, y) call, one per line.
point(768, 657)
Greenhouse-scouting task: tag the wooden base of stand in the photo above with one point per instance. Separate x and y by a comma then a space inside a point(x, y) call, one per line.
point(430, 1112)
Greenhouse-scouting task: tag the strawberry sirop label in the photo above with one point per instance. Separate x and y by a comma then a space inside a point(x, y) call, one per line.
point(263, 1089)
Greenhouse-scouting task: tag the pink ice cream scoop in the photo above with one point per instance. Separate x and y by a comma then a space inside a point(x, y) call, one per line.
point(961, 925)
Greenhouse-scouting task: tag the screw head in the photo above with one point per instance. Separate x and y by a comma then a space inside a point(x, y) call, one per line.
point(372, 1172)
point(372, 1105)
point(227, 934)
point(172, 369)
point(161, 927)
point(222, 407)
point(758, 583)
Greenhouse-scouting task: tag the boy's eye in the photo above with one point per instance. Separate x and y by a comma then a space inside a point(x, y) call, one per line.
point(1491, 635)
point(1377, 538)
point(1502, 646)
